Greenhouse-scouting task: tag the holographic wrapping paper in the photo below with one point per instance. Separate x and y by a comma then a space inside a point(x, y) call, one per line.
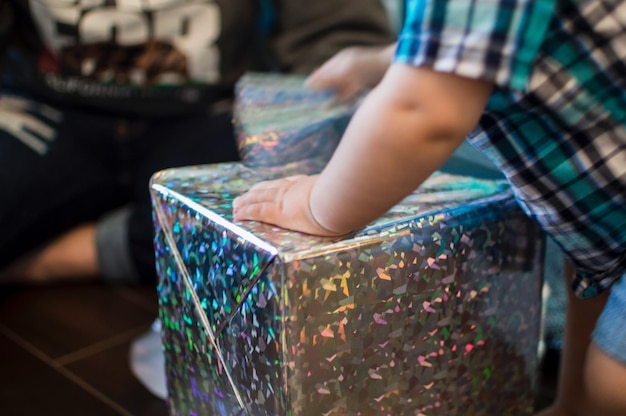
point(311, 122)
point(434, 309)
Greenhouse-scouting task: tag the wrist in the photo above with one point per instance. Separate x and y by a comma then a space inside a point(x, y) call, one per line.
point(314, 217)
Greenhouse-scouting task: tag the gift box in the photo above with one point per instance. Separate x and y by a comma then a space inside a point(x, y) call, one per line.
point(433, 309)
point(279, 122)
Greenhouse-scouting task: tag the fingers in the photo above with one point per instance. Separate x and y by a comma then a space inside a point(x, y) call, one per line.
point(348, 93)
point(333, 74)
point(274, 184)
point(263, 201)
point(248, 206)
point(282, 202)
point(349, 72)
point(256, 210)
point(343, 89)
point(341, 80)
point(317, 80)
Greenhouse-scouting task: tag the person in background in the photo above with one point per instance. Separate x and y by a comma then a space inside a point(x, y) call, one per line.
point(540, 87)
point(97, 96)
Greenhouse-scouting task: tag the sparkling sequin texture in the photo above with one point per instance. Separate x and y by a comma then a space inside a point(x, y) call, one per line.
point(431, 310)
point(311, 122)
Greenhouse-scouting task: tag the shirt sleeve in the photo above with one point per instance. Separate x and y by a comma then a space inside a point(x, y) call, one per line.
point(490, 40)
point(307, 34)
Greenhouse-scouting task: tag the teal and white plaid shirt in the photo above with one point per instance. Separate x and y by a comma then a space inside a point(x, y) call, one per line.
point(556, 122)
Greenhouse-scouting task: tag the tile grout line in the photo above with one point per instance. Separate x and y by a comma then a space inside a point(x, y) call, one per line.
point(62, 370)
point(101, 345)
point(138, 300)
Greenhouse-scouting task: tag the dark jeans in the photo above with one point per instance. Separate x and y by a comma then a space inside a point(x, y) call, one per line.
point(62, 167)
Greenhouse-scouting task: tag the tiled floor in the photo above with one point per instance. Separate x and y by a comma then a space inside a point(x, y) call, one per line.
point(64, 351)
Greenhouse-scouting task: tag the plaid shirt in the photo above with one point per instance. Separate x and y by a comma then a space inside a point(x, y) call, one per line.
point(555, 123)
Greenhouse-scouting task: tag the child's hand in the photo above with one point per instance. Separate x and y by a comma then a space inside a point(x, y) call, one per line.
point(352, 71)
point(282, 202)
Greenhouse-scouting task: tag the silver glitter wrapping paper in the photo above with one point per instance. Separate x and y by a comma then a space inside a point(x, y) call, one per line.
point(434, 309)
point(311, 123)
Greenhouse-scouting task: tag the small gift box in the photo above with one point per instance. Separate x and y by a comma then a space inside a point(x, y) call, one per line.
point(280, 122)
point(433, 309)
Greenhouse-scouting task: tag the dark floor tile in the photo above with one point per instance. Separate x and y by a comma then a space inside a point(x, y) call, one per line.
point(64, 350)
point(144, 295)
point(29, 386)
point(109, 372)
point(62, 319)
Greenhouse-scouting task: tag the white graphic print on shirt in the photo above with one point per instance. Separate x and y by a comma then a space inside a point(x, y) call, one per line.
point(136, 42)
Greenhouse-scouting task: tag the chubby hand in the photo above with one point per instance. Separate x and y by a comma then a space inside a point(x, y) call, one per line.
point(282, 202)
point(351, 71)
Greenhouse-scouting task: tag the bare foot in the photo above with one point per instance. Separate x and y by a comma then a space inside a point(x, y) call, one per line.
point(71, 256)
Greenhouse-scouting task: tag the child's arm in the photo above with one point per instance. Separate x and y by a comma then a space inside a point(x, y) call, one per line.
point(405, 130)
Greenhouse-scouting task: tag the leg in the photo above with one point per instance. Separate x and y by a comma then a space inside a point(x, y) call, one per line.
point(589, 380)
point(55, 182)
point(580, 320)
point(71, 256)
point(606, 383)
point(605, 371)
point(165, 143)
point(119, 248)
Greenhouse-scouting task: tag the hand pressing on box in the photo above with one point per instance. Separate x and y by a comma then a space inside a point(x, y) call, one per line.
point(404, 130)
point(352, 70)
point(283, 202)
